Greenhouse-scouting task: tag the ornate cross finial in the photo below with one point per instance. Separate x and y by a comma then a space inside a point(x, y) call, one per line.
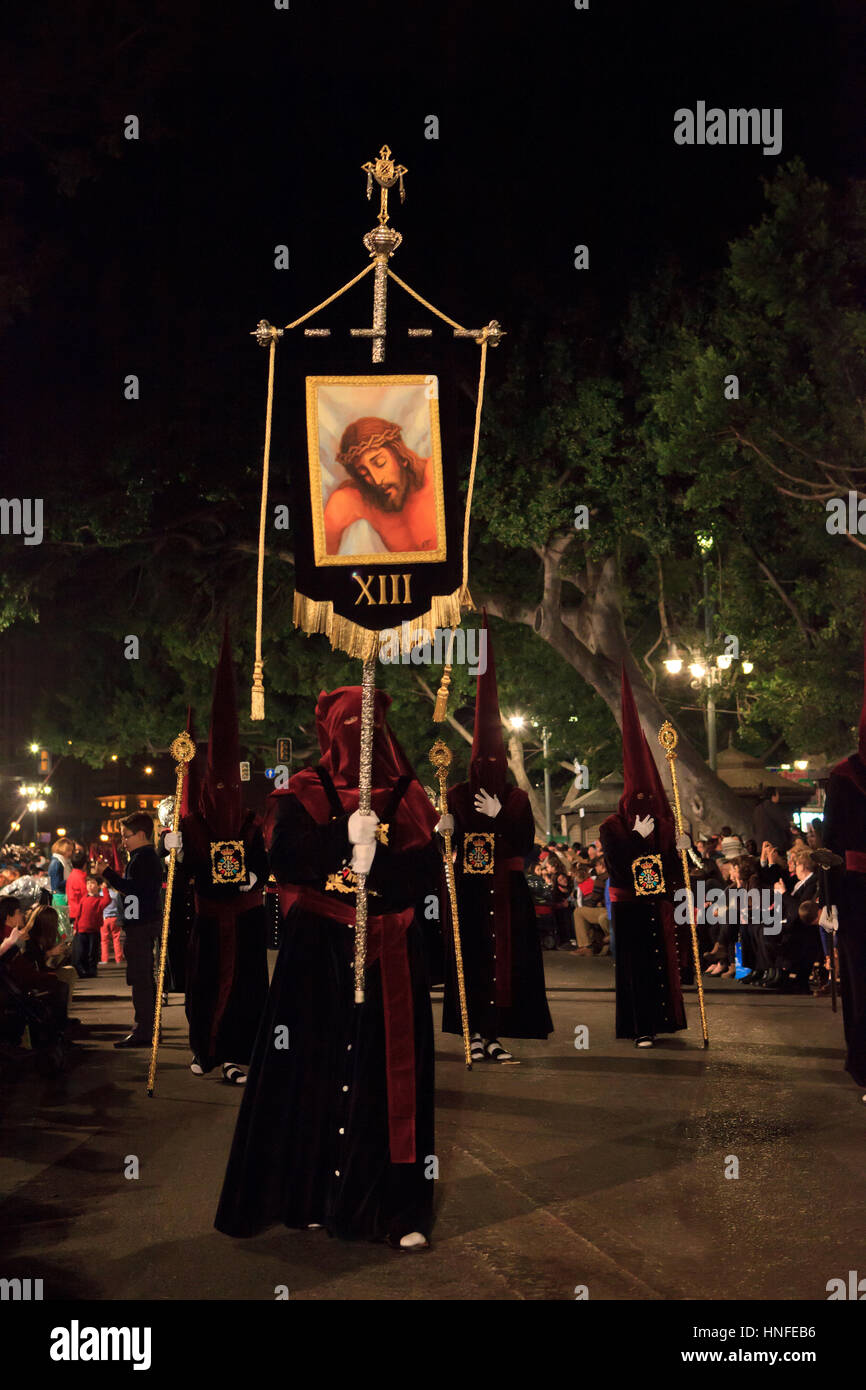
point(386, 173)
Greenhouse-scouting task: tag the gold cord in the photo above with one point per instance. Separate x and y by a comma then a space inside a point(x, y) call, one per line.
point(257, 695)
point(425, 302)
point(331, 297)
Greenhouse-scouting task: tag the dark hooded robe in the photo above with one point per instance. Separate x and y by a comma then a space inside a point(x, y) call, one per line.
point(649, 997)
point(845, 835)
point(502, 961)
point(336, 1123)
point(223, 853)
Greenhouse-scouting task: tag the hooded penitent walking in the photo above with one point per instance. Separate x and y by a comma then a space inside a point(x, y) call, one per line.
point(845, 835)
point(494, 833)
point(224, 857)
point(336, 1125)
point(640, 850)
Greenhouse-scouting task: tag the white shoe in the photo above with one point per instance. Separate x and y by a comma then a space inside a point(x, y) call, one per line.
point(314, 1226)
point(196, 1067)
point(414, 1241)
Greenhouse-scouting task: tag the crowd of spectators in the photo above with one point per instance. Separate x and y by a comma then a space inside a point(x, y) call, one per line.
point(763, 922)
point(58, 922)
point(572, 903)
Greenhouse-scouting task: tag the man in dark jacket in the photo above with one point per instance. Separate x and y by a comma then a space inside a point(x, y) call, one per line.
point(770, 823)
point(141, 893)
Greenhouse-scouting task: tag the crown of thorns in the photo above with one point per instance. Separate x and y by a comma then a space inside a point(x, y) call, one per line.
point(372, 441)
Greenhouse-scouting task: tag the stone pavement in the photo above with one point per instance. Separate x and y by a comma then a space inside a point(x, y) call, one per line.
point(602, 1167)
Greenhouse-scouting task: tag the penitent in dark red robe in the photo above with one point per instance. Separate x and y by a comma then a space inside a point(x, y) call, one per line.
point(845, 834)
point(502, 962)
point(336, 1124)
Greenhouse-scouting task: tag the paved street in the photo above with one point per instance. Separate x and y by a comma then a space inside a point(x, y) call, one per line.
point(602, 1167)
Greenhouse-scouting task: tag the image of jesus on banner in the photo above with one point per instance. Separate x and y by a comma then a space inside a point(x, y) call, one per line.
point(375, 469)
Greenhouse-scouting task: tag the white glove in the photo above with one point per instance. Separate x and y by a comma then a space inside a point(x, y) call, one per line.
point(444, 823)
point(683, 842)
point(829, 919)
point(644, 825)
point(487, 805)
point(362, 829)
point(173, 839)
point(362, 858)
point(245, 888)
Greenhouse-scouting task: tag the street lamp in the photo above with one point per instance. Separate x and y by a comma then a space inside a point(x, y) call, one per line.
point(707, 671)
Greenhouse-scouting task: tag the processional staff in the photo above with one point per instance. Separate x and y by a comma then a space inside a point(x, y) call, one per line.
point(183, 752)
point(668, 739)
point(440, 757)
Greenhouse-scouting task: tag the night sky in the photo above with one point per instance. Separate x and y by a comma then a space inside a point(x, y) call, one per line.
point(555, 128)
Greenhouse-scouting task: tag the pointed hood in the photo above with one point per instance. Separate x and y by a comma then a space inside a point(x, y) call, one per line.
point(488, 767)
point(338, 725)
point(643, 790)
point(220, 799)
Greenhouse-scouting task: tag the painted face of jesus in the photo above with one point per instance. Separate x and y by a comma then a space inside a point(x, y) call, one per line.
point(380, 469)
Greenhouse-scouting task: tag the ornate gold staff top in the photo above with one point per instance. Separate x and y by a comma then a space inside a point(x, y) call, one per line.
point(440, 757)
point(183, 752)
point(668, 739)
point(381, 242)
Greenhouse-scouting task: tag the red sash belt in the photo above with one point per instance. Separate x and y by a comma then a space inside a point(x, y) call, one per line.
point(226, 914)
point(386, 942)
point(855, 861)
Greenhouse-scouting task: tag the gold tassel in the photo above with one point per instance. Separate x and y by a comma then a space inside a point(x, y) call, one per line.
point(440, 709)
point(257, 694)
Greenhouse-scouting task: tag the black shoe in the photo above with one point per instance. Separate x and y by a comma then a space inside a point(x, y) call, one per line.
point(133, 1040)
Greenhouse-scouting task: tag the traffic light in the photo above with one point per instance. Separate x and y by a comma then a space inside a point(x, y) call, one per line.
point(44, 761)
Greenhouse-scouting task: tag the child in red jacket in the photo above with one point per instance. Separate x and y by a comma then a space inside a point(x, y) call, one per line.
point(76, 885)
point(88, 927)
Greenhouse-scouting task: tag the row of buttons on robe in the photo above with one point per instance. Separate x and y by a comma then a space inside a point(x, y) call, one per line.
point(344, 1089)
point(493, 936)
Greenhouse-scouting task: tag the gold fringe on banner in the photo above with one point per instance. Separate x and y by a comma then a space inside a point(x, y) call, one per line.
point(314, 615)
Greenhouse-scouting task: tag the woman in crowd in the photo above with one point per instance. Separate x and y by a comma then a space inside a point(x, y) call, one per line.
point(58, 875)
